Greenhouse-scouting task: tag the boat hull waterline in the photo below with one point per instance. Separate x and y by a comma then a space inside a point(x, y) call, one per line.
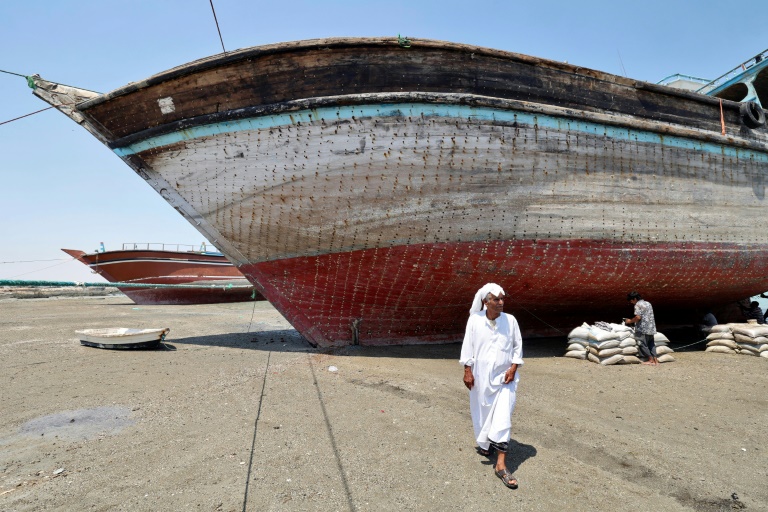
point(379, 213)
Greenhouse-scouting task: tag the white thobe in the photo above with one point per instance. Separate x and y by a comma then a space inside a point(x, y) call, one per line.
point(490, 351)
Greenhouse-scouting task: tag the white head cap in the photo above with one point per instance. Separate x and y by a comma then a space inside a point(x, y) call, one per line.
point(477, 304)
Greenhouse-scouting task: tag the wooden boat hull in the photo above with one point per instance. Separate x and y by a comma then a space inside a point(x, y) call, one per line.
point(219, 280)
point(552, 285)
point(122, 338)
point(386, 184)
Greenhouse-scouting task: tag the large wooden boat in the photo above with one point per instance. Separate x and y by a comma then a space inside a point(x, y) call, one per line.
point(216, 279)
point(368, 187)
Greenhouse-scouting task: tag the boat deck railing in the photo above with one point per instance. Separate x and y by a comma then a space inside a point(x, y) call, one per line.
point(157, 246)
point(678, 76)
point(741, 68)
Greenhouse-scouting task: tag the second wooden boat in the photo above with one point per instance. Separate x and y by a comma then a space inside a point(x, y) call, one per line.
point(216, 278)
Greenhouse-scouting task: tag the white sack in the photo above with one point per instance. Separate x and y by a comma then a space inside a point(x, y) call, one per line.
point(747, 348)
point(576, 354)
point(753, 331)
point(741, 338)
point(602, 345)
point(723, 343)
point(608, 352)
point(720, 350)
point(601, 335)
point(580, 332)
point(720, 336)
point(618, 358)
point(629, 342)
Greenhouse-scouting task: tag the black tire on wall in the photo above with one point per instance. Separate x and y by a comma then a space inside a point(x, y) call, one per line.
point(752, 115)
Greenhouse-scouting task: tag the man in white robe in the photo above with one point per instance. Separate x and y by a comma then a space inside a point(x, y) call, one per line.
point(491, 354)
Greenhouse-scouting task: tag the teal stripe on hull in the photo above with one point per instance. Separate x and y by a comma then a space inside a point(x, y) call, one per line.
point(436, 110)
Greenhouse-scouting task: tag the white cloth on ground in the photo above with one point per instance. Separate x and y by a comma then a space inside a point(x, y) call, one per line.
point(490, 350)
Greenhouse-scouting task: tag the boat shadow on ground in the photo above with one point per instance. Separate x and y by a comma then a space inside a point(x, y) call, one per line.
point(289, 340)
point(284, 340)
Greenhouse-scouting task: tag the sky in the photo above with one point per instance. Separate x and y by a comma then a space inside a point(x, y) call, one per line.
point(61, 188)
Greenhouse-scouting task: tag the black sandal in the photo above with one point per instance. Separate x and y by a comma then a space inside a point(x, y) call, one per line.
point(484, 452)
point(507, 478)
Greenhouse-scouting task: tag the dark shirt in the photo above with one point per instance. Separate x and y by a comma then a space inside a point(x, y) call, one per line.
point(755, 314)
point(709, 320)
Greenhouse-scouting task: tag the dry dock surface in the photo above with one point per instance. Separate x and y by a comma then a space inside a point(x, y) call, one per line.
point(226, 419)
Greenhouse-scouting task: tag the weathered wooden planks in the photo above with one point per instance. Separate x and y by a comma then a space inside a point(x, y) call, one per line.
point(314, 70)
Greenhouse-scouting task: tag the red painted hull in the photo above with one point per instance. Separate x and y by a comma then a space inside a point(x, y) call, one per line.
point(422, 293)
point(170, 267)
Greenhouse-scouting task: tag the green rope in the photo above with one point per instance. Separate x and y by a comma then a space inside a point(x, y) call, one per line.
point(11, 282)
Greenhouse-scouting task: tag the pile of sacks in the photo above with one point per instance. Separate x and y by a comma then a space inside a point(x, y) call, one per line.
point(663, 350)
point(748, 339)
point(611, 344)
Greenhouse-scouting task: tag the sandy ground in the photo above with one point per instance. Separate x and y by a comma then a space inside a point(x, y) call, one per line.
point(226, 419)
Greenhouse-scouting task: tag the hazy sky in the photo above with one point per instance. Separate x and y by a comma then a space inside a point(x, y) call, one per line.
point(61, 188)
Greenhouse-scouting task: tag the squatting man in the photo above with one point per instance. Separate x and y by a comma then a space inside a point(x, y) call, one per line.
point(491, 353)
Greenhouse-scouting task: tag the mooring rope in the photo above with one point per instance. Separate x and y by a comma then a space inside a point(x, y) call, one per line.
point(31, 81)
point(32, 85)
point(255, 431)
point(332, 437)
point(26, 115)
point(217, 28)
point(692, 344)
point(12, 73)
point(35, 261)
point(41, 269)
point(11, 282)
point(677, 349)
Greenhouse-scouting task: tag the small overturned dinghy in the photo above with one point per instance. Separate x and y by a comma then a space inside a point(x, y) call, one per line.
point(122, 337)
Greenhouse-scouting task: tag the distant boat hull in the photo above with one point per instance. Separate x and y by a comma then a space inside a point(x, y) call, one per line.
point(368, 189)
point(218, 280)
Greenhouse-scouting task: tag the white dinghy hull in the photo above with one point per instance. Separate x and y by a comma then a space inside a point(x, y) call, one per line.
point(122, 337)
